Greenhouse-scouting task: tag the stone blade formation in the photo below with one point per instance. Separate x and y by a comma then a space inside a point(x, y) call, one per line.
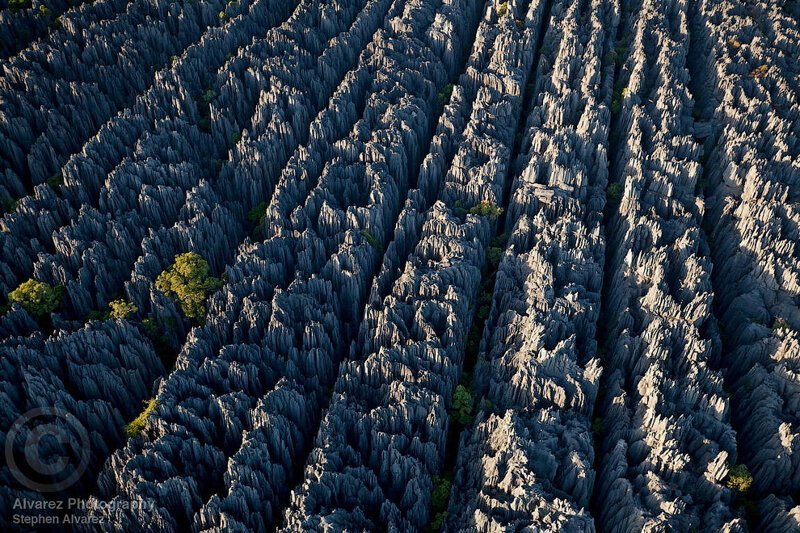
point(400, 266)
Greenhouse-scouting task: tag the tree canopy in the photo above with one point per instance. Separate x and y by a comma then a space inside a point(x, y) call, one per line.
point(188, 281)
point(121, 309)
point(36, 297)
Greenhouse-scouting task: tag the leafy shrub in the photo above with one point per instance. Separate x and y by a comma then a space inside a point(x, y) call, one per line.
point(739, 478)
point(372, 240)
point(10, 205)
point(462, 405)
point(438, 521)
point(208, 96)
point(188, 280)
point(121, 309)
point(257, 213)
point(494, 255)
point(16, 5)
point(486, 209)
point(55, 181)
point(36, 297)
point(204, 109)
point(441, 493)
point(502, 9)
point(137, 425)
point(759, 72)
point(96, 315)
point(445, 94)
point(614, 192)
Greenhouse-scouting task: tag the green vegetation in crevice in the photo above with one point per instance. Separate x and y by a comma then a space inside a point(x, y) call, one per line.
point(372, 241)
point(614, 192)
point(739, 479)
point(443, 98)
point(137, 425)
point(439, 499)
point(9, 205)
point(462, 405)
point(487, 209)
point(502, 9)
point(463, 402)
point(160, 339)
point(55, 182)
point(120, 309)
point(256, 215)
point(117, 309)
point(188, 281)
point(620, 93)
point(204, 109)
point(759, 72)
point(17, 5)
point(37, 298)
point(494, 255)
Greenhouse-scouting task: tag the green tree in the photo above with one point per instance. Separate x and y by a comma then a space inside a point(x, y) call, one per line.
point(486, 209)
point(438, 521)
point(257, 213)
point(137, 424)
point(739, 478)
point(462, 405)
point(56, 181)
point(36, 297)
point(494, 255)
point(614, 192)
point(444, 95)
point(121, 309)
point(16, 5)
point(371, 240)
point(188, 280)
point(441, 493)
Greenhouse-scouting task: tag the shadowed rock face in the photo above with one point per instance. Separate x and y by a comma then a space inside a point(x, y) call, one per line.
point(754, 171)
point(543, 250)
point(97, 377)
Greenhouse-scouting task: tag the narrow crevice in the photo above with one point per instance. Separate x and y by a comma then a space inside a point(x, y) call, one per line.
point(484, 297)
point(351, 329)
point(613, 197)
point(704, 114)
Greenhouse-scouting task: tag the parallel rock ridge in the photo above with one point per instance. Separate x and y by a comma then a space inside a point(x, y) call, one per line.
point(748, 55)
point(384, 435)
point(466, 265)
point(666, 440)
point(527, 462)
point(245, 398)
